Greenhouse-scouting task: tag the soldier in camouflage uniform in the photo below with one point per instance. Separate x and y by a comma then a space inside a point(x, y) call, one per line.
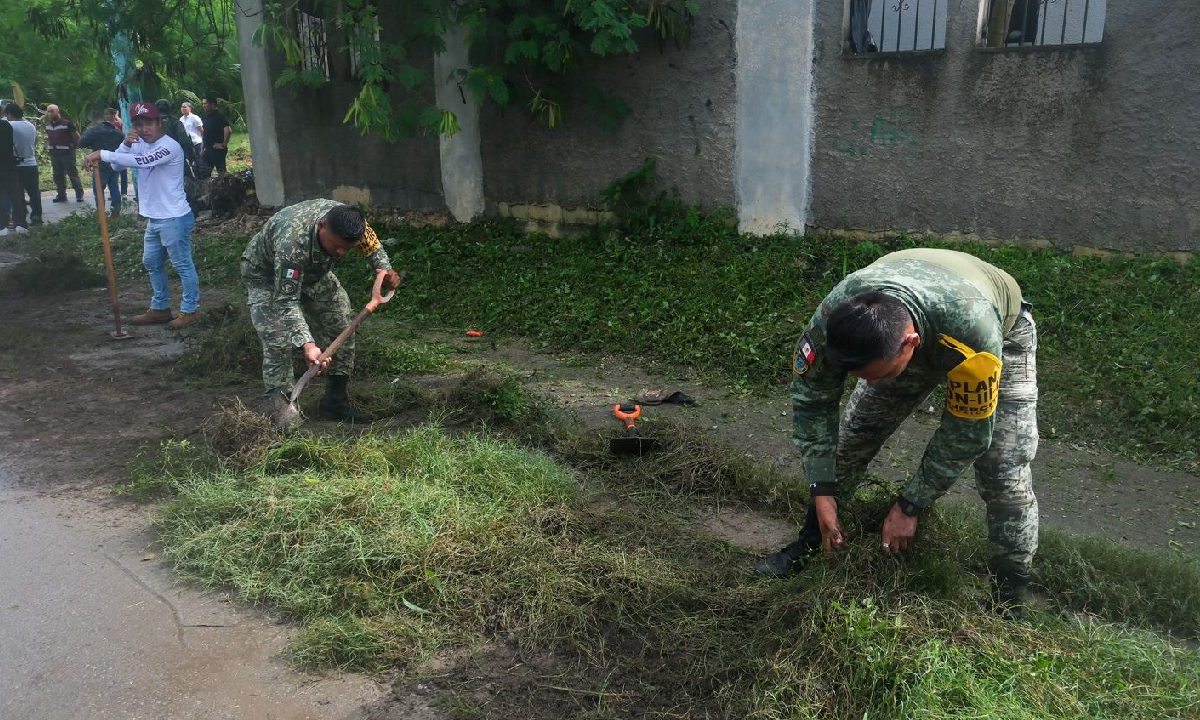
point(287, 268)
point(908, 322)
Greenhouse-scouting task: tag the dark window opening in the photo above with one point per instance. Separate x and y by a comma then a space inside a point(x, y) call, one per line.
point(313, 39)
point(1032, 23)
point(893, 26)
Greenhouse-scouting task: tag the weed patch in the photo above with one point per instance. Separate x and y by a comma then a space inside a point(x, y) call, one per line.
point(692, 293)
point(385, 352)
point(390, 549)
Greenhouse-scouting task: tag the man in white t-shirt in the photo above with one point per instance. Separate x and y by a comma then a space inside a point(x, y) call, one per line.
point(193, 125)
point(162, 201)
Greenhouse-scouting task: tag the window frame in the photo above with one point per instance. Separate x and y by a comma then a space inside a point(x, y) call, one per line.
point(985, 10)
point(943, 5)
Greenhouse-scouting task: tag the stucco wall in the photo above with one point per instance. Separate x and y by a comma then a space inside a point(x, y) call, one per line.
point(1091, 146)
point(323, 157)
point(683, 106)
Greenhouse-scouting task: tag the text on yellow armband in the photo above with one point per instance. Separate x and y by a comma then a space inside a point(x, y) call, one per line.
point(973, 388)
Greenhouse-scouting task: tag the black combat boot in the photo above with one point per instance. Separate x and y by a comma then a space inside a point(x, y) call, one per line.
point(335, 405)
point(1010, 589)
point(791, 558)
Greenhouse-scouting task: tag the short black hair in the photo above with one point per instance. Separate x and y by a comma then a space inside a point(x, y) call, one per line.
point(163, 105)
point(211, 98)
point(865, 328)
point(346, 221)
point(14, 110)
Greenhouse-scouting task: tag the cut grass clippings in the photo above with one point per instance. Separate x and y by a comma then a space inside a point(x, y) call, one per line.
point(391, 549)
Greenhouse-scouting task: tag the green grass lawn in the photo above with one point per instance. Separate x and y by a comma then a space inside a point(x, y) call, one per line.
point(1116, 335)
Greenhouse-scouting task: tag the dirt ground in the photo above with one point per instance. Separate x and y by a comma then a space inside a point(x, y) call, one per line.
point(76, 407)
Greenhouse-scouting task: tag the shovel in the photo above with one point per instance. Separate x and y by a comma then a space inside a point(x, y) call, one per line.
point(632, 443)
point(291, 415)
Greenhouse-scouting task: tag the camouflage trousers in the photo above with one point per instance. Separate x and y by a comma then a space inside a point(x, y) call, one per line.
point(1002, 474)
point(326, 308)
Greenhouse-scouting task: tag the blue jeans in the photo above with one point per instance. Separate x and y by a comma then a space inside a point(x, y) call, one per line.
point(108, 180)
point(171, 238)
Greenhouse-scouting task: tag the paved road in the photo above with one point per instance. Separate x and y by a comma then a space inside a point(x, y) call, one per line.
point(93, 626)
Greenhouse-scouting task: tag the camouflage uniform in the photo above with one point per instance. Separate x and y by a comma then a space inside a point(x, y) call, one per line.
point(288, 279)
point(979, 338)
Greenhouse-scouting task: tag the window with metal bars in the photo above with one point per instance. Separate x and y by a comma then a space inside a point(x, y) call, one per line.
point(313, 38)
point(895, 26)
point(1032, 23)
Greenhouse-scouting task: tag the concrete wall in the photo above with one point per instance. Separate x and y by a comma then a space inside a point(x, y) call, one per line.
point(322, 157)
point(1093, 145)
point(683, 107)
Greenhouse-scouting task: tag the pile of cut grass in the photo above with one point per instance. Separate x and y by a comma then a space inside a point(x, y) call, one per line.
point(389, 549)
point(49, 273)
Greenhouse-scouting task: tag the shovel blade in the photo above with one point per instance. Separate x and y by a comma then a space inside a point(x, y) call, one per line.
point(632, 446)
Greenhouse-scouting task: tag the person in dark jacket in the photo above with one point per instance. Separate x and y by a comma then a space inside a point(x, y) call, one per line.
point(174, 129)
point(105, 136)
point(12, 200)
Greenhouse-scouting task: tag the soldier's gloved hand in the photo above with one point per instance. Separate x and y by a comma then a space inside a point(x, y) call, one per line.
point(312, 356)
point(898, 531)
point(391, 279)
point(833, 538)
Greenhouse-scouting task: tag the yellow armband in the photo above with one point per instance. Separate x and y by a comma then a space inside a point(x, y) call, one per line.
point(973, 386)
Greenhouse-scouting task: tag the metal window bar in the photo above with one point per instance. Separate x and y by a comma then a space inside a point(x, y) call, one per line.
point(313, 43)
point(1035, 15)
point(920, 39)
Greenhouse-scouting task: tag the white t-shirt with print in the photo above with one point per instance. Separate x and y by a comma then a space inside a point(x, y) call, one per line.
point(160, 176)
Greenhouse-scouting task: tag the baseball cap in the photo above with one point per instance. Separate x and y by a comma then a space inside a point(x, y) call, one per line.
point(143, 110)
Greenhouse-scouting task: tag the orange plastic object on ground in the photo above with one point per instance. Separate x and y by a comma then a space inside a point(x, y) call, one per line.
point(474, 333)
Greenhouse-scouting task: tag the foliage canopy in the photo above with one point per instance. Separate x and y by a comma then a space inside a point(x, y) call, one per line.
point(60, 51)
point(522, 52)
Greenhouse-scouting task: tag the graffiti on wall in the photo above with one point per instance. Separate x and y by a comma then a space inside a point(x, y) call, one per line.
point(885, 131)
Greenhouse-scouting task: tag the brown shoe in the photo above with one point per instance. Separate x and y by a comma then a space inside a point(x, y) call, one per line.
point(182, 320)
point(152, 317)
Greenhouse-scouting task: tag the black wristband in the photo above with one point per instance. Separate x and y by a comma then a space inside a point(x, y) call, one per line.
point(907, 507)
point(823, 489)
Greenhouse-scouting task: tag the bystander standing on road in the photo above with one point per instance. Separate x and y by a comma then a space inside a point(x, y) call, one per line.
point(24, 139)
point(105, 136)
point(216, 138)
point(62, 137)
point(12, 202)
point(195, 128)
point(169, 219)
point(112, 116)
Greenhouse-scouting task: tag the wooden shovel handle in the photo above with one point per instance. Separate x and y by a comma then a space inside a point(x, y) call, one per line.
point(376, 300)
